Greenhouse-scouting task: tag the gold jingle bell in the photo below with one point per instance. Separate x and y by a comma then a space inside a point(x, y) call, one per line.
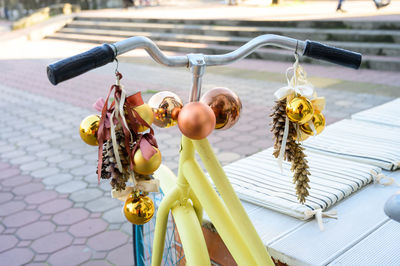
point(138, 209)
point(88, 129)
point(299, 110)
point(319, 124)
point(146, 114)
point(226, 106)
point(146, 167)
point(165, 104)
point(301, 136)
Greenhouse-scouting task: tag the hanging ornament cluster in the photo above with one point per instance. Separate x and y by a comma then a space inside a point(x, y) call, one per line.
point(297, 114)
point(128, 152)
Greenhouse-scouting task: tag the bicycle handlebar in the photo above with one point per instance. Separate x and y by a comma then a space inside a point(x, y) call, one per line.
point(331, 54)
point(99, 56)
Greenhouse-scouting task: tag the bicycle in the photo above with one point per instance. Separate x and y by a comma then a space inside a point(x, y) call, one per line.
point(191, 191)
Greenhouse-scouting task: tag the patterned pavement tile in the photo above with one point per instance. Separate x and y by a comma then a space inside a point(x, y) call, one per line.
point(107, 240)
point(20, 219)
point(51, 243)
point(55, 206)
point(11, 207)
point(70, 216)
point(7, 242)
point(35, 230)
point(40, 197)
point(16, 256)
point(72, 255)
point(88, 227)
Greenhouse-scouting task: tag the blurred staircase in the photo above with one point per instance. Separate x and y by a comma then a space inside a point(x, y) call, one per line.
point(378, 41)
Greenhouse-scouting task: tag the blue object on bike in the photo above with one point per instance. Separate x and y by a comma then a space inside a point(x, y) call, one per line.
point(392, 207)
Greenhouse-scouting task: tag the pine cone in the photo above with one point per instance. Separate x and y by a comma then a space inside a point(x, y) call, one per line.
point(278, 127)
point(301, 173)
point(293, 150)
point(109, 166)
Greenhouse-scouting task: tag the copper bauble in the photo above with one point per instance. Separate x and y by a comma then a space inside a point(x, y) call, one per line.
point(226, 106)
point(319, 124)
point(138, 209)
point(299, 110)
point(164, 104)
point(146, 167)
point(146, 114)
point(196, 120)
point(88, 129)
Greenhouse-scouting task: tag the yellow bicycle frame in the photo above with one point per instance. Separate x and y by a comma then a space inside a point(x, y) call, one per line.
point(187, 194)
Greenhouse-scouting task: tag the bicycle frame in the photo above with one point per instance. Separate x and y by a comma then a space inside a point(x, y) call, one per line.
point(226, 212)
point(190, 192)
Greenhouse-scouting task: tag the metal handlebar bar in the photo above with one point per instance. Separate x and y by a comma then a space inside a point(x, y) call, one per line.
point(73, 66)
point(210, 60)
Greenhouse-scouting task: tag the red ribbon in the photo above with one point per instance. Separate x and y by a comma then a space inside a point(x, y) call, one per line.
point(135, 99)
point(147, 144)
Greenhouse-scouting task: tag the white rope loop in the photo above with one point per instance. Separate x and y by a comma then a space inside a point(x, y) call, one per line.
point(319, 215)
point(381, 179)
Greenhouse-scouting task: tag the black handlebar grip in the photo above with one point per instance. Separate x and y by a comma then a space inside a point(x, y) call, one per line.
point(78, 64)
point(332, 54)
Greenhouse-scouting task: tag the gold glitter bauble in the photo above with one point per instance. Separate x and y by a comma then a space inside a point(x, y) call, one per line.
point(146, 167)
point(319, 124)
point(299, 110)
point(138, 209)
point(88, 129)
point(226, 106)
point(164, 105)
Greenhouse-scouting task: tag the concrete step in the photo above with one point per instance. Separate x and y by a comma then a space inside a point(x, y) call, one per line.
point(343, 35)
point(364, 48)
point(370, 62)
point(321, 24)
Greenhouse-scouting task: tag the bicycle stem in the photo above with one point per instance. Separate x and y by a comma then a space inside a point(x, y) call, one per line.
point(197, 66)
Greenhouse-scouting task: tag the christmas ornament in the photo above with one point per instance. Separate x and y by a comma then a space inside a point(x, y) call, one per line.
point(88, 129)
point(225, 104)
point(196, 120)
point(138, 209)
point(146, 167)
point(146, 113)
point(166, 106)
point(120, 139)
point(317, 124)
point(301, 136)
point(299, 110)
